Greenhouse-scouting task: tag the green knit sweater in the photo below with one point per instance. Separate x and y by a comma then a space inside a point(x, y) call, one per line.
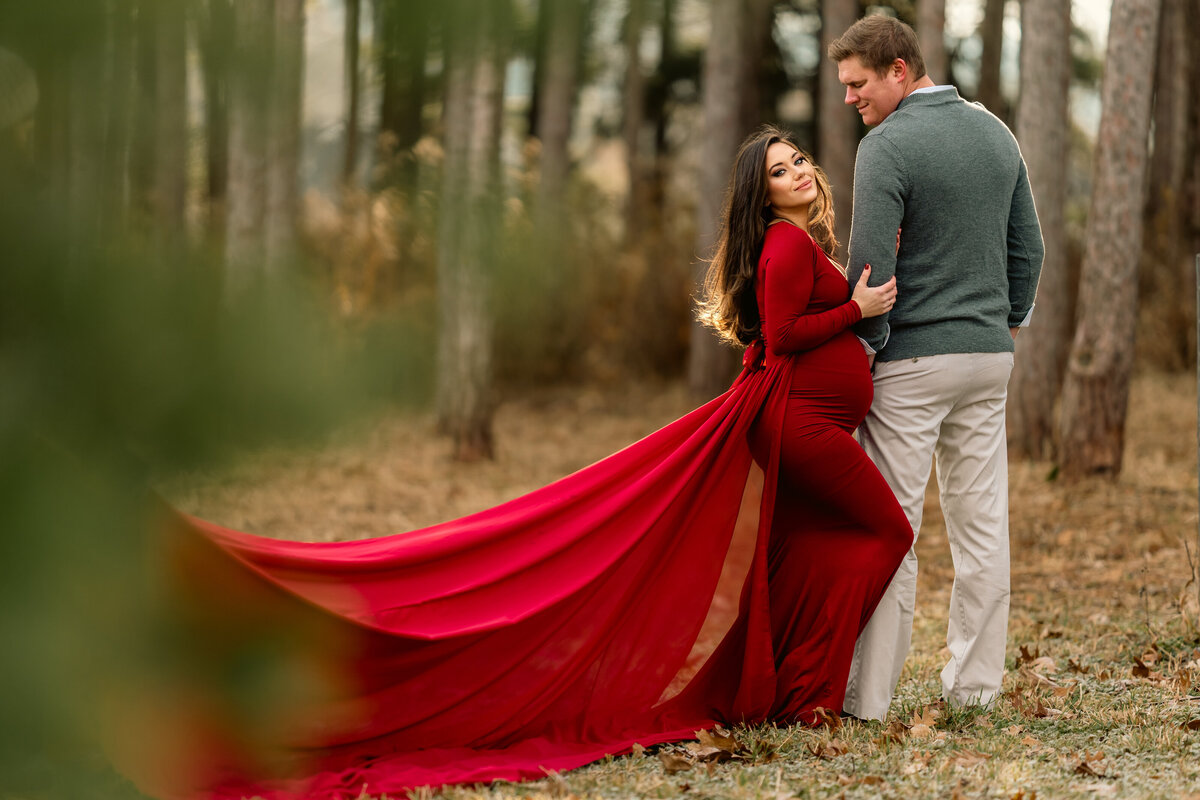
point(950, 175)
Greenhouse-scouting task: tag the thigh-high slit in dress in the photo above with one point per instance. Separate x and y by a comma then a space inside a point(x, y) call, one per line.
point(717, 571)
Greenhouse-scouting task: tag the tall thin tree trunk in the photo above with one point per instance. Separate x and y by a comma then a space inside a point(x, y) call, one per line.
point(931, 30)
point(246, 206)
point(352, 83)
point(557, 93)
point(633, 105)
point(837, 124)
point(402, 33)
point(170, 129)
point(991, 30)
point(283, 162)
point(1042, 130)
point(216, 35)
point(1096, 391)
point(1168, 257)
point(726, 75)
point(468, 229)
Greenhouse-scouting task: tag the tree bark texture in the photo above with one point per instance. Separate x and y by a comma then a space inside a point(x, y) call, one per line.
point(170, 119)
point(837, 123)
point(562, 53)
point(403, 29)
point(1168, 277)
point(352, 93)
point(249, 98)
point(467, 241)
point(931, 30)
point(991, 31)
point(1096, 390)
point(1043, 127)
point(215, 36)
point(633, 100)
point(283, 158)
point(727, 72)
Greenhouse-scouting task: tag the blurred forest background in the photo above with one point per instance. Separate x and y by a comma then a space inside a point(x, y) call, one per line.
point(225, 223)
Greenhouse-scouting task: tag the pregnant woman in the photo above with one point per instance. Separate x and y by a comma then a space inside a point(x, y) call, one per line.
point(717, 571)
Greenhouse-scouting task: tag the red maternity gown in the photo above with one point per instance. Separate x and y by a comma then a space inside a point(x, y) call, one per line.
point(717, 571)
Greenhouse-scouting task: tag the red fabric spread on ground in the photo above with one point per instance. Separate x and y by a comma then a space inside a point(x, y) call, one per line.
point(635, 601)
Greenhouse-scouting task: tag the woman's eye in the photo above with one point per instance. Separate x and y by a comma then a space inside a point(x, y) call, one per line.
point(799, 161)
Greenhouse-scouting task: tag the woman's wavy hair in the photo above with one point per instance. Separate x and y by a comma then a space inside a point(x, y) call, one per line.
point(729, 305)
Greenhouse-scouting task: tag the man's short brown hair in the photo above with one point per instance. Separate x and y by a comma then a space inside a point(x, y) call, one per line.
point(878, 40)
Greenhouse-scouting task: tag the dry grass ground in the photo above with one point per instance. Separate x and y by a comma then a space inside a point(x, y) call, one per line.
point(1103, 690)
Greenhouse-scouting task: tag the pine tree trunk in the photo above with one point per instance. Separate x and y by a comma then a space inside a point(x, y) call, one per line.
point(837, 124)
point(633, 99)
point(216, 34)
point(1042, 130)
point(468, 232)
point(170, 118)
point(1168, 268)
point(352, 83)
point(991, 30)
point(931, 30)
point(402, 30)
point(1096, 391)
point(726, 76)
point(556, 94)
point(249, 96)
point(283, 159)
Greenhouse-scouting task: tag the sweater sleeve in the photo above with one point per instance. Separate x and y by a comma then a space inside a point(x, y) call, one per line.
point(879, 191)
point(788, 272)
point(1025, 250)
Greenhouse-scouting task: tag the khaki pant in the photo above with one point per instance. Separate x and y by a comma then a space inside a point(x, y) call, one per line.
point(951, 406)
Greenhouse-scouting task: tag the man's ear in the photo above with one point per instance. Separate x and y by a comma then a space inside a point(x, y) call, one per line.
point(899, 69)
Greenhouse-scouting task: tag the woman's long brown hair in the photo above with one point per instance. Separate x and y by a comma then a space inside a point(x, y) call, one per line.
point(729, 305)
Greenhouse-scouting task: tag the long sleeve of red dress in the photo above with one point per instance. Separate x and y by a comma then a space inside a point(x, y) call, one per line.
point(789, 269)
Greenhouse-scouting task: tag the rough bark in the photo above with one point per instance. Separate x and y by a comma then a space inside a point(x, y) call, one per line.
point(991, 31)
point(352, 90)
point(468, 228)
point(403, 28)
point(837, 123)
point(246, 201)
point(726, 76)
point(216, 33)
point(633, 101)
point(557, 94)
point(283, 161)
point(1168, 270)
point(931, 30)
point(170, 119)
point(1043, 130)
point(1096, 390)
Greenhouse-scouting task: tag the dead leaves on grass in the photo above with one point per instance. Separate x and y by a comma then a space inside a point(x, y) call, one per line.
point(712, 747)
point(1092, 765)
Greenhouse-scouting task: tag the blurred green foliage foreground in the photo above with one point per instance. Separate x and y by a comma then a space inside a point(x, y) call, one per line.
point(120, 362)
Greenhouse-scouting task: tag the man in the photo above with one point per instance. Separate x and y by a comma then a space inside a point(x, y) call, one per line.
point(949, 177)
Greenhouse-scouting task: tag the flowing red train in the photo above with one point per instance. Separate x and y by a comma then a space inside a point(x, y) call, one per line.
point(705, 574)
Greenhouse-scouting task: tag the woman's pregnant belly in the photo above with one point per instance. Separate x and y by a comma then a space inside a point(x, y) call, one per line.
point(831, 383)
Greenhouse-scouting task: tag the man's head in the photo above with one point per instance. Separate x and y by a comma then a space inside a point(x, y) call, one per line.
point(879, 62)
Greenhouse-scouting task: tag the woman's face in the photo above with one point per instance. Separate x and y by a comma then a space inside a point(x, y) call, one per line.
point(791, 181)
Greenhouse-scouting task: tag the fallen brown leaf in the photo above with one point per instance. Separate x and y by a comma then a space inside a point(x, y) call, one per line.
point(673, 762)
point(831, 749)
point(1191, 725)
point(704, 753)
point(827, 718)
point(719, 738)
point(638, 750)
